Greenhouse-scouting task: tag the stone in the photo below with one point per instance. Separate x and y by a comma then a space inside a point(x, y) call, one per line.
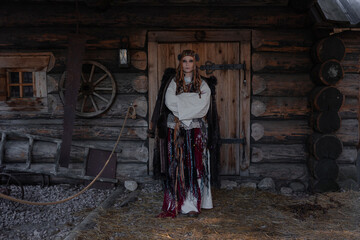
point(228, 184)
point(349, 184)
point(131, 185)
point(286, 191)
point(347, 172)
point(267, 184)
point(297, 187)
point(248, 185)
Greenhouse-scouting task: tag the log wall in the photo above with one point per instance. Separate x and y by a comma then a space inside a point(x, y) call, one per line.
point(100, 132)
point(281, 63)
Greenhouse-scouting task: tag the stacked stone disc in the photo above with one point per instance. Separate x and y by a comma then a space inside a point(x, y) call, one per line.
point(326, 100)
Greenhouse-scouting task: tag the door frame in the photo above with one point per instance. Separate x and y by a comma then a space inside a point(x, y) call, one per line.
point(184, 36)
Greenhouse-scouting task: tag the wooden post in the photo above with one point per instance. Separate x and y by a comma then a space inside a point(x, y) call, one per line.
point(74, 63)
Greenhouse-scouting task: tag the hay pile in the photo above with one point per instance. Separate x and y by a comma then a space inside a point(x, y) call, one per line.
point(237, 214)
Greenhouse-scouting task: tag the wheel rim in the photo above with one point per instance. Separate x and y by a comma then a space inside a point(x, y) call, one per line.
point(12, 186)
point(97, 91)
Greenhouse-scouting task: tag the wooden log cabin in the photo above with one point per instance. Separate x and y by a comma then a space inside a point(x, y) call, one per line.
point(266, 104)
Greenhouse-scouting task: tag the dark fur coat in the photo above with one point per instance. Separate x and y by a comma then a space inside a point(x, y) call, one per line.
point(158, 128)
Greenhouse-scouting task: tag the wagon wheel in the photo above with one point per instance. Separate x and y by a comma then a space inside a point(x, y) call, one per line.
point(97, 91)
point(11, 186)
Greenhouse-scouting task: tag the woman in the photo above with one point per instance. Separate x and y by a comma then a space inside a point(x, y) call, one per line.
point(184, 103)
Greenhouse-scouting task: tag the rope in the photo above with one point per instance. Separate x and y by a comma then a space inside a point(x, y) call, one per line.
point(133, 115)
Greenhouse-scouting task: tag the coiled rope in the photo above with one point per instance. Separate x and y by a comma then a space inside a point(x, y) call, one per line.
point(133, 115)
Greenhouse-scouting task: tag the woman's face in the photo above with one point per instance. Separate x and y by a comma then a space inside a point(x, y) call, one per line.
point(188, 64)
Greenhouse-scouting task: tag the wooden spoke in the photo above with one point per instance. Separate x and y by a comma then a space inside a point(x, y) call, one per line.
point(83, 77)
point(94, 104)
point(100, 79)
point(103, 89)
point(80, 95)
point(83, 103)
point(92, 72)
point(102, 98)
point(89, 90)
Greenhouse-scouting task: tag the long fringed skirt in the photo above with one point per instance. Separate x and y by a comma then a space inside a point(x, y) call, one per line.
point(187, 183)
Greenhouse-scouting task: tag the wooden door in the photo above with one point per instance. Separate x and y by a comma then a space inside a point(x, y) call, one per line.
point(231, 102)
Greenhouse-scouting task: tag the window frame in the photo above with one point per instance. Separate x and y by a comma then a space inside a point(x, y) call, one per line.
point(20, 84)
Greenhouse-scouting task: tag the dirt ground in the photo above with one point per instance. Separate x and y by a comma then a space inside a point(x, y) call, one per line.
point(238, 214)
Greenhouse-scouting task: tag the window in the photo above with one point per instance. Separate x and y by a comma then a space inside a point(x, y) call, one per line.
point(21, 85)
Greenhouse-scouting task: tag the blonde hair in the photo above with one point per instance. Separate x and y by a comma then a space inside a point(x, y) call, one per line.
point(179, 79)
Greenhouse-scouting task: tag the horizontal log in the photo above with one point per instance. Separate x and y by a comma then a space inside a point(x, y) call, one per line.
point(290, 132)
point(349, 86)
point(36, 105)
point(125, 82)
point(80, 132)
point(74, 170)
point(278, 153)
point(117, 110)
point(78, 122)
point(282, 40)
point(280, 107)
point(281, 62)
point(279, 171)
point(107, 57)
point(350, 108)
point(43, 152)
point(282, 85)
point(349, 132)
point(348, 171)
point(52, 14)
point(243, 3)
point(293, 153)
point(297, 131)
point(57, 37)
point(131, 170)
point(351, 62)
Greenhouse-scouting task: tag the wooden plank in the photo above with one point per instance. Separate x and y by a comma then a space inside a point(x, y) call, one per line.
point(245, 93)
point(199, 35)
point(43, 61)
point(282, 40)
point(281, 62)
point(52, 14)
point(153, 88)
point(281, 85)
point(279, 171)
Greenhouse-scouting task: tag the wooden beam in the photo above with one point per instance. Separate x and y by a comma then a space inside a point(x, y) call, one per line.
point(50, 14)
